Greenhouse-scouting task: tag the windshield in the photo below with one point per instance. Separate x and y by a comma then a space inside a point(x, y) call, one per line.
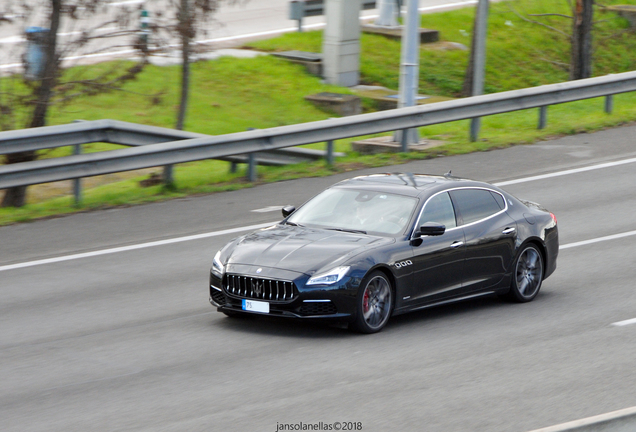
point(356, 211)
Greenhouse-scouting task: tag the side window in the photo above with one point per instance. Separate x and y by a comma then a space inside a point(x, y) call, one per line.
point(475, 204)
point(439, 209)
point(499, 199)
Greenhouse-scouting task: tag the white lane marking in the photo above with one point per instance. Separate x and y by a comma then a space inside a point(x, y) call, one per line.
point(624, 323)
point(20, 39)
point(268, 209)
point(244, 36)
point(567, 172)
point(12, 39)
point(224, 232)
point(322, 24)
point(133, 247)
point(252, 227)
point(128, 2)
point(598, 239)
point(613, 420)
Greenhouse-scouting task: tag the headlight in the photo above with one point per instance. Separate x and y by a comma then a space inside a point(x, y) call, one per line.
point(217, 266)
point(330, 277)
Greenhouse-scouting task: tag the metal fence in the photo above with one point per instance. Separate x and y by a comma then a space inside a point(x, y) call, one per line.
point(184, 149)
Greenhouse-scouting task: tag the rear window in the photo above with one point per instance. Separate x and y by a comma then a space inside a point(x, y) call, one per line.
point(475, 204)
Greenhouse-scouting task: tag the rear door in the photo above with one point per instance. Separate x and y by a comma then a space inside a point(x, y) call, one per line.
point(490, 236)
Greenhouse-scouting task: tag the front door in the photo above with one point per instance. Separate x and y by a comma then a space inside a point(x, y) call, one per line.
point(438, 261)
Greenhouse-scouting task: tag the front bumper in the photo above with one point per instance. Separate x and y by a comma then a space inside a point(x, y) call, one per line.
point(334, 303)
point(286, 314)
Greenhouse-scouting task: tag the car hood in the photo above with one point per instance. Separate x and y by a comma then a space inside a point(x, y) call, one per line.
point(300, 249)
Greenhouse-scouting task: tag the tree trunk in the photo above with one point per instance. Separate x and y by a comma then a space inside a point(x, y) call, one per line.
point(581, 58)
point(185, 30)
point(15, 197)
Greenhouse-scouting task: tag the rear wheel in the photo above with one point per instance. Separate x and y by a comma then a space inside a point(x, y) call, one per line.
point(374, 303)
point(527, 276)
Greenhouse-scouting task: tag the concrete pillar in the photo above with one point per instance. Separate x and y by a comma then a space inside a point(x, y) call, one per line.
point(341, 42)
point(409, 70)
point(388, 13)
point(479, 64)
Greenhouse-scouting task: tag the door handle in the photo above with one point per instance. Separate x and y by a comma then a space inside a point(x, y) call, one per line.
point(457, 244)
point(509, 230)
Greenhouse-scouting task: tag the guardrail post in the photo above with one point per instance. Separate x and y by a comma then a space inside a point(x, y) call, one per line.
point(251, 167)
point(543, 117)
point(475, 124)
point(233, 167)
point(168, 178)
point(609, 104)
point(77, 183)
point(330, 153)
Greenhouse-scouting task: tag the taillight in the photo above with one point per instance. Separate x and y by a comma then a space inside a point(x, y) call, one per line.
point(553, 218)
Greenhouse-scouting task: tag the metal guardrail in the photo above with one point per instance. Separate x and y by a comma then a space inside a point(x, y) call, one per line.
point(298, 9)
point(211, 147)
point(82, 132)
point(133, 135)
point(128, 134)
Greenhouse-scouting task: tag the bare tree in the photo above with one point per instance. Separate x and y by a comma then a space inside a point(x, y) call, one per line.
point(184, 21)
point(581, 57)
point(53, 84)
point(580, 38)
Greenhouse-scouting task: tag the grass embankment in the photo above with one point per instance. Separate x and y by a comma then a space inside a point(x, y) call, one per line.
point(231, 95)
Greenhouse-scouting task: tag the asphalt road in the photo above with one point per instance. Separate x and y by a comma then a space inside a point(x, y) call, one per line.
point(127, 340)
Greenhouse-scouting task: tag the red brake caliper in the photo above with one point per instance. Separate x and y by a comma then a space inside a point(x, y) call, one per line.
point(365, 301)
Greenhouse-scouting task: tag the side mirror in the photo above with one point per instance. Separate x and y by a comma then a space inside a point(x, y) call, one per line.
point(287, 210)
point(432, 229)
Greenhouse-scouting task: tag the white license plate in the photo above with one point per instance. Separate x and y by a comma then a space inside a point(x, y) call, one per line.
point(255, 306)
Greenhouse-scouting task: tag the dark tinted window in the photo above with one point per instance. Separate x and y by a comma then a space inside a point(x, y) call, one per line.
point(439, 209)
point(499, 199)
point(474, 204)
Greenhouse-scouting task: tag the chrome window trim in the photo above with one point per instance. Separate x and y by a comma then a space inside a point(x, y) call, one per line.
point(465, 225)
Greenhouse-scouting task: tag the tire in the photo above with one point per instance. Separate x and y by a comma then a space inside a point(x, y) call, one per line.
point(527, 276)
point(374, 303)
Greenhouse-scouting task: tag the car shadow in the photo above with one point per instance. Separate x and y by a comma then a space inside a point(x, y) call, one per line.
point(273, 326)
point(452, 310)
point(285, 327)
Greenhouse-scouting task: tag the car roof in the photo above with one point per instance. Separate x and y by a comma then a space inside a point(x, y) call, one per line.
point(408, 183)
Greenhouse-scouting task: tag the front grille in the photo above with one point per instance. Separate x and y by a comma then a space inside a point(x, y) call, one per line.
point(217, 296)
point(260, 289)
point(318, 308)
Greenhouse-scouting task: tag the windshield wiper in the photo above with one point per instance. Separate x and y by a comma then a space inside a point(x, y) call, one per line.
point(293, 224)
point(348, 230)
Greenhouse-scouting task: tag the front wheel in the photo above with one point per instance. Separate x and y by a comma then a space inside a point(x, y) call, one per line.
point(374, 303)
point(528, 275)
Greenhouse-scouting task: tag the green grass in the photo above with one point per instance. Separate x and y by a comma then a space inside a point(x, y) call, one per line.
point(230, 95)
point(519, 54)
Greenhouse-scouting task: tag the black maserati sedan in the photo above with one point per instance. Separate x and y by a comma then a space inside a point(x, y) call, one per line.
point(380, 245)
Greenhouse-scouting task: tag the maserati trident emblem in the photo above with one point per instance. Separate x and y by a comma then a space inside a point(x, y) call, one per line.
point(259, 270)
point(257, 287)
